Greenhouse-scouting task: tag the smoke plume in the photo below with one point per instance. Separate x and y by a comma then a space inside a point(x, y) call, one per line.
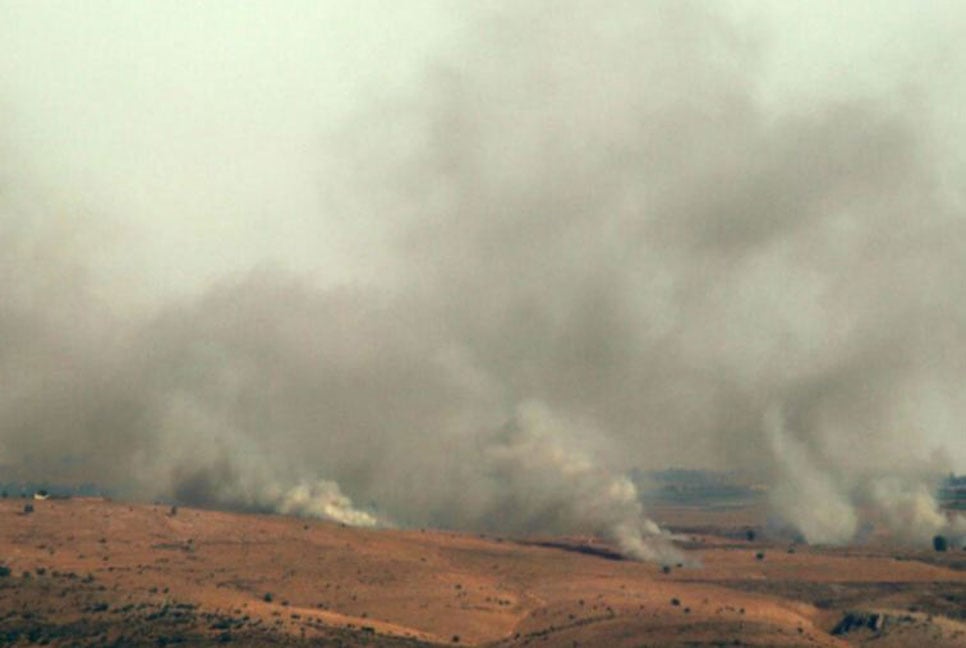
point(582, 242)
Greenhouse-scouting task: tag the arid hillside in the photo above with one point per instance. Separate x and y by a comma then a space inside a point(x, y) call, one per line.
point(90, 572)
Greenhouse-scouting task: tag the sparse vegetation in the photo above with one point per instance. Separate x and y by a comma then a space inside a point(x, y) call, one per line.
point(127, 594)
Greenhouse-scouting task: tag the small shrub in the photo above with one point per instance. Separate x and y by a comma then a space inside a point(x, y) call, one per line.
point(939, 543)
point(4, 571)
point(173, 511)
point(666, 569)
point(750, 535)
point(28, 509)
point(456, 638)
point(268, 598)
point(675, 602)
point(760, 555)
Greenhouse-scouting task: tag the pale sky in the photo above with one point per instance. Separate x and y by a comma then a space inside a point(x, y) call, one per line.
point(198, 130)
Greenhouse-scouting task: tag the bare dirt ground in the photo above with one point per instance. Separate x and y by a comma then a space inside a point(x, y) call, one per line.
point(89, 572)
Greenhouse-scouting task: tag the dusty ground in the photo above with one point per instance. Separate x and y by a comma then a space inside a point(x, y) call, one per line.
point(89, 572)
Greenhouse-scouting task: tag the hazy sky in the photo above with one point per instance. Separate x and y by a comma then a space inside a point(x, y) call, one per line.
point(198, 130)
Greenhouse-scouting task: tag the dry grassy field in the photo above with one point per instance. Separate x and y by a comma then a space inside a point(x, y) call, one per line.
point(90, 572)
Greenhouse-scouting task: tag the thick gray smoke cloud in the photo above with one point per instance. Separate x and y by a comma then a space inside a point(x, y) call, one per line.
point(605, 252)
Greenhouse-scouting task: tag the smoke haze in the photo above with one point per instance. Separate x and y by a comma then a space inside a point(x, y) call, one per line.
point(472, 281)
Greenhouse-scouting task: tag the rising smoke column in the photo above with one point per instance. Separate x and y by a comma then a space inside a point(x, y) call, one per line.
point(606, 251)
point(650, 248)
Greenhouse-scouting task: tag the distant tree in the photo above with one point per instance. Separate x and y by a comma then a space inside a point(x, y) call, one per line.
point(939, 543)
point(4, 571)
point(750, 535)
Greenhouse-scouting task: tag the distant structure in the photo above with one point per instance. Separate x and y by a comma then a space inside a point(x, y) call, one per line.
point(41, 495)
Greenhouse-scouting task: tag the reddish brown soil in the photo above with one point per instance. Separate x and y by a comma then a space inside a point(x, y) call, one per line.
point(90, 572)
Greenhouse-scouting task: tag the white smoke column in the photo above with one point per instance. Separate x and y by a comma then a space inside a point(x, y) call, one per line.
point(805, 496)
point(546, 481)
point(322, 499)
point(221, 467)
point(909, 510)
point(829, 506)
